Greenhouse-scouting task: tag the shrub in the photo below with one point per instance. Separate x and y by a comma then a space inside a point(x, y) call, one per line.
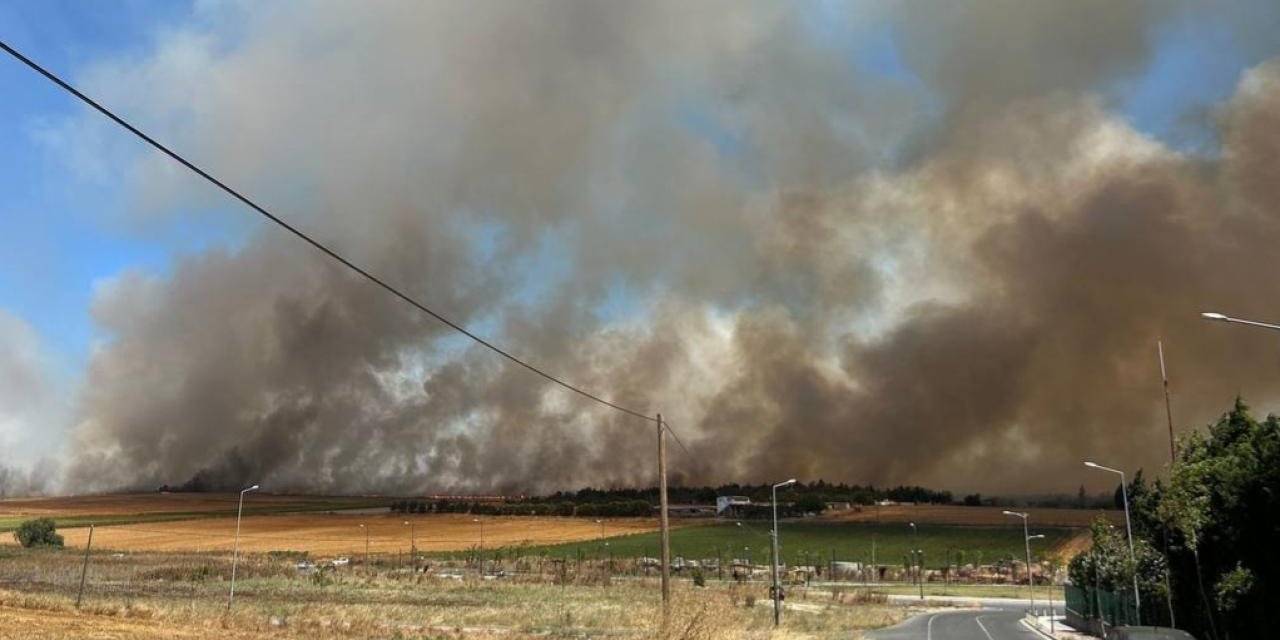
point(38, 533)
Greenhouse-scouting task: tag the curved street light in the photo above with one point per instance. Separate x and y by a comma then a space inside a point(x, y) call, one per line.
point(413, 544)
point(917, 557)
point(1220, 317)
point(1031, 588)
point(1133, 555)
point(235, 549)
point(777, 593)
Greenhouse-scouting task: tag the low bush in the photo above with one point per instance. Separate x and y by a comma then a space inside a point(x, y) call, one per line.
point(40, 532)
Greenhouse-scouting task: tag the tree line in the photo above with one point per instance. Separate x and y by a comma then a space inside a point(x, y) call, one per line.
point(610, 509)
point(818, 491)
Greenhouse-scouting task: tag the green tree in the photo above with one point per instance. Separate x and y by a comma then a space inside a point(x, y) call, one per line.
point(1221, 506)
point(38, 533)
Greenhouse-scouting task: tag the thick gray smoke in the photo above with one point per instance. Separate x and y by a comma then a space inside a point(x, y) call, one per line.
point(27, 399)
point(952, 274)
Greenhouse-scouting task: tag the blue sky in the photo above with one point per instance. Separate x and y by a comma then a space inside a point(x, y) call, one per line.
point(62, 231)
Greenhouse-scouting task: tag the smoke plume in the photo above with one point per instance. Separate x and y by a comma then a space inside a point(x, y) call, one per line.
point(952, 273)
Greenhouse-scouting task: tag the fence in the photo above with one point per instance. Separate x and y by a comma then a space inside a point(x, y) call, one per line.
point(1099, 609)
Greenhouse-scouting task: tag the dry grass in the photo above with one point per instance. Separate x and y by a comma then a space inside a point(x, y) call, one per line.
point(1073, 546)
point(153, 595)
point(973, 516)
point(340, 534)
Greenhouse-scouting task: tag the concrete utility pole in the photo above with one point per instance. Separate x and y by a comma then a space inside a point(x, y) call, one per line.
point(665, 524)
point(85, 568)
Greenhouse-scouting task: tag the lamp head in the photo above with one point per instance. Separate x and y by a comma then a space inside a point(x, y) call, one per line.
point(1091, 464)
point(253, 488)
point(1210, 315)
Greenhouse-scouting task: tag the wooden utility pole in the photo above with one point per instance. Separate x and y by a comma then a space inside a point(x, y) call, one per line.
point(664, 522)
point(84, 569)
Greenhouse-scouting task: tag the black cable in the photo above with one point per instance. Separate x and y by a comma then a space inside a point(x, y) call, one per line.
point(667, 426)
point(326, 250)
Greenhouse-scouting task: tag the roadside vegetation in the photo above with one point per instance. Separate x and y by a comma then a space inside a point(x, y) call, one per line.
point(1205, 534)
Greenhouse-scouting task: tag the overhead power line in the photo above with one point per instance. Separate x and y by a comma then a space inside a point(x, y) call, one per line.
point(666, 424)
point(306, 238)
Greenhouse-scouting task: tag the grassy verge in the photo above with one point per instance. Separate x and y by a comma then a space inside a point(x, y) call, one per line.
point(970, 590)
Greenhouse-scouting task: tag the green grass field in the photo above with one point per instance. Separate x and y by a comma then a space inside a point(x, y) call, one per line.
point(848, 541)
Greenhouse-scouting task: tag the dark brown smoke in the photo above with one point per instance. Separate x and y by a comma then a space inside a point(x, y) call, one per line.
point(980, 311)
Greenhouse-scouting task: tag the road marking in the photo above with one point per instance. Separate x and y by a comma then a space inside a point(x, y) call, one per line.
point(983, 627)
point(929, 627)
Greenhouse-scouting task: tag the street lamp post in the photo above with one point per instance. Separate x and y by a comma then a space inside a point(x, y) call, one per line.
point(777, 591)
point(1210, 315)
point(1026, 539)
point(1040, 536)
point(1128, 525)
point(920, 571)
point(413, 544)
point(481, 523)
point(916, 557)
point(235, 548)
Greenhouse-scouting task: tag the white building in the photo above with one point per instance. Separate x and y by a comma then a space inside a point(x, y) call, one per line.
point(729, 505)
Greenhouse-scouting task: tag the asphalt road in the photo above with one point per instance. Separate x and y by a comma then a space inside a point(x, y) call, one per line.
point(969, 624)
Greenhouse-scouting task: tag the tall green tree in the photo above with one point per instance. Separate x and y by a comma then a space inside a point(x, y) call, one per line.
point(1220, 506)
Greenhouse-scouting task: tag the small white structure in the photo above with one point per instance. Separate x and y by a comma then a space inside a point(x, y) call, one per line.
point(728, 505)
